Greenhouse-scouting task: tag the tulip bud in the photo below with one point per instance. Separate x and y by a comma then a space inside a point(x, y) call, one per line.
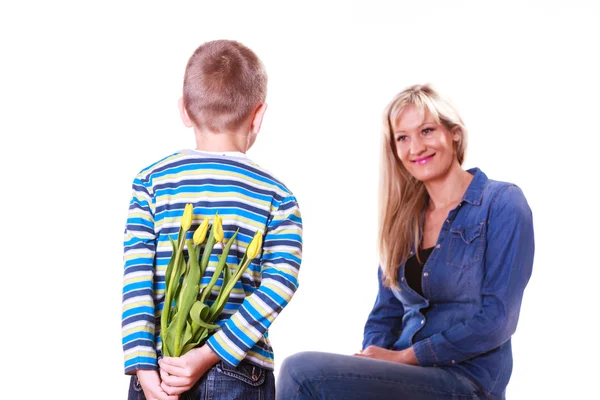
point(186, 220)
point(218, 227)
point(200, 233)
point(254, 246)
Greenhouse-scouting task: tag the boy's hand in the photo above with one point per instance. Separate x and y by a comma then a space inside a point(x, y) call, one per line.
point(150, 382)
point(179, 374)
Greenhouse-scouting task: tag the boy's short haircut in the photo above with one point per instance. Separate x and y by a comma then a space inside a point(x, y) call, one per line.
point(224, 82)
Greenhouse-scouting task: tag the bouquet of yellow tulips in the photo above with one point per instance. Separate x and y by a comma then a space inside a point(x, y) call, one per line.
point(186, 319)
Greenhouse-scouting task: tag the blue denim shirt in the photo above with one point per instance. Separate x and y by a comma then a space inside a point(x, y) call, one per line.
point(473, 283)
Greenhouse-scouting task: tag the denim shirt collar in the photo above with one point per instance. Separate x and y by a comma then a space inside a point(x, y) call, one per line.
point(474, 192)
point(473, 196)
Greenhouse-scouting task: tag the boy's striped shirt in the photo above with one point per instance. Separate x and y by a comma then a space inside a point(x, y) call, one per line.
point(248, 198)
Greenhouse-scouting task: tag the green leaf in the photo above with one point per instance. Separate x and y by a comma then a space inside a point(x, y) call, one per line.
point(187, 334)
point(210, 243)
point(199, 312)
point(219, 304)
point(218, 269)
point(226, 277)
point(171, 262)
point(203, 334)
point(215, 305)
point(187, 297)
point(171, 287)
point(170, 342)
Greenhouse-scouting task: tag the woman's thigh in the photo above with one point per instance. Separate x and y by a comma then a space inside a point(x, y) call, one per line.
point(314, 375)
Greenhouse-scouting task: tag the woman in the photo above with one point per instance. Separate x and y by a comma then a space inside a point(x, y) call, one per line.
point(456, 252)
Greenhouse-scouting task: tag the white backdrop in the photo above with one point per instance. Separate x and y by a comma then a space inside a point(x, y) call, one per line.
point(88, 97)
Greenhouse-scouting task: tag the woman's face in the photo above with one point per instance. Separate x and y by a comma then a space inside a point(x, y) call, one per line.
point(425, 148)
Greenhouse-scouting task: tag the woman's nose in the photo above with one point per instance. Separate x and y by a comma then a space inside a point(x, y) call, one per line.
point(416, 146)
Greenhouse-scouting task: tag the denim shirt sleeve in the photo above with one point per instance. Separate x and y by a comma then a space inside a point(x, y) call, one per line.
point(384, 323)
point(508, 265)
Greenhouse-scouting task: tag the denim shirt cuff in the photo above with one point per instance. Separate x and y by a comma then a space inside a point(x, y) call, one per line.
point(425, 354)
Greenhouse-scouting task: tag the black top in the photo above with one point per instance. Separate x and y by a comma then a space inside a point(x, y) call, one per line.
point(414, 271)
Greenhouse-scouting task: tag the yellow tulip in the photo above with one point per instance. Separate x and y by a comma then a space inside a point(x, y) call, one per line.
point(188, 215)
point(218, 227)
point(200, 233)
point(254, 246)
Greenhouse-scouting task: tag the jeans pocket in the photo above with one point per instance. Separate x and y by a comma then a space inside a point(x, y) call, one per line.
point(466, 245)
point(135, 389)
point(245, 372)
point(136, 384)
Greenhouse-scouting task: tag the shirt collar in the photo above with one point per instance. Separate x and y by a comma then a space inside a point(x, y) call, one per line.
point(474, 192)
point(222, 153)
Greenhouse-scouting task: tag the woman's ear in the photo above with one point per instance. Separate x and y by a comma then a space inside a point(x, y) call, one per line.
point(456, 134)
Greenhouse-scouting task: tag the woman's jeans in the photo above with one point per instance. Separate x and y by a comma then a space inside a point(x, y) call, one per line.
point(314, 375)
point(221, 382)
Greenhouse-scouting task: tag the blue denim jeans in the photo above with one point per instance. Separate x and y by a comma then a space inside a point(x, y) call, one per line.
point(314, 375)
point(221, 382)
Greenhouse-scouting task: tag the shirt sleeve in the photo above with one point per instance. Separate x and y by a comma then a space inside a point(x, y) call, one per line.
point(280, 264)
point(508, 264)
point(138, 318)
point(384, 324)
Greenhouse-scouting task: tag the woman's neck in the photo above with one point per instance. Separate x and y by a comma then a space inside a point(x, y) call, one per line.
point(446, 192)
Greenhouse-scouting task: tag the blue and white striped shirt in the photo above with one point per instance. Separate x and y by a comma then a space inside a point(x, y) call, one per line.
point(247, 198)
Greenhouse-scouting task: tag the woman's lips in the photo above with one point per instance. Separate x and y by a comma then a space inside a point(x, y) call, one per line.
point(423, 160)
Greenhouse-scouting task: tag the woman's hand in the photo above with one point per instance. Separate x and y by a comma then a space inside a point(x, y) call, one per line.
point(179, 374)
point(400, 356)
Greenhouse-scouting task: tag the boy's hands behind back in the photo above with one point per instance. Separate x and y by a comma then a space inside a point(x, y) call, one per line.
point(179, 374)
point(150, 382)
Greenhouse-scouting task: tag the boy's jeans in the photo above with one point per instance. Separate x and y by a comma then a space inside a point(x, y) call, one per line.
point(221, 382)
point(324, 376)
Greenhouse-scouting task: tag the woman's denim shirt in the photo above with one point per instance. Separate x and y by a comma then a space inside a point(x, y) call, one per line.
point(473, 284)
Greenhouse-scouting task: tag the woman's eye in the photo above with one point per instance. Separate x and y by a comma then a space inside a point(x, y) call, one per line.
point(427, 131)
point(401, 138)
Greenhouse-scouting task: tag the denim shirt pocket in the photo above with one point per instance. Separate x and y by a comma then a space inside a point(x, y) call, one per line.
point(466, 245)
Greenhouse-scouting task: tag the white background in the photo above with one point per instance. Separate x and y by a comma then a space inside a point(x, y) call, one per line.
point(88, 97)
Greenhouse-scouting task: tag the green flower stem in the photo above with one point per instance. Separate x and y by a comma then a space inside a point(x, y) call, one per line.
point(219, 304)
point(218, 269)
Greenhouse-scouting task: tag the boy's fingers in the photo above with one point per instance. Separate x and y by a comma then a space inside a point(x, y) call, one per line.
point(171, 391)
point(172, 380)
point(170, 361)
point(172, 366)
point(165, 396)
point(158, 393)
point(170, 370)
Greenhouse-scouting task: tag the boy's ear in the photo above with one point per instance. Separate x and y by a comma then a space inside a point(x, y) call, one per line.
point(185, 118)
point(258, 118)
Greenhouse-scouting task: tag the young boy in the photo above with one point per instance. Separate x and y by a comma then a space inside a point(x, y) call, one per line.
point(223, 100)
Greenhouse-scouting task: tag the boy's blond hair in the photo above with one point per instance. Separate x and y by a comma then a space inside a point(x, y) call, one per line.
point(223, 84)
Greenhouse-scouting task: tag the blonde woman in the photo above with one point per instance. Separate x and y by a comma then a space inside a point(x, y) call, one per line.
point(456, 252)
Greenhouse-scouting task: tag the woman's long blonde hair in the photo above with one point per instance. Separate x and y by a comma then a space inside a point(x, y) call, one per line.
point(402, 198)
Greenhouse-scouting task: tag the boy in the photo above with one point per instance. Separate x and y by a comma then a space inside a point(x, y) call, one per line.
point(223, 100)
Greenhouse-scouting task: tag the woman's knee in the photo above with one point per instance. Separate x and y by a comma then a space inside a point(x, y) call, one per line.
point(298, 364)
